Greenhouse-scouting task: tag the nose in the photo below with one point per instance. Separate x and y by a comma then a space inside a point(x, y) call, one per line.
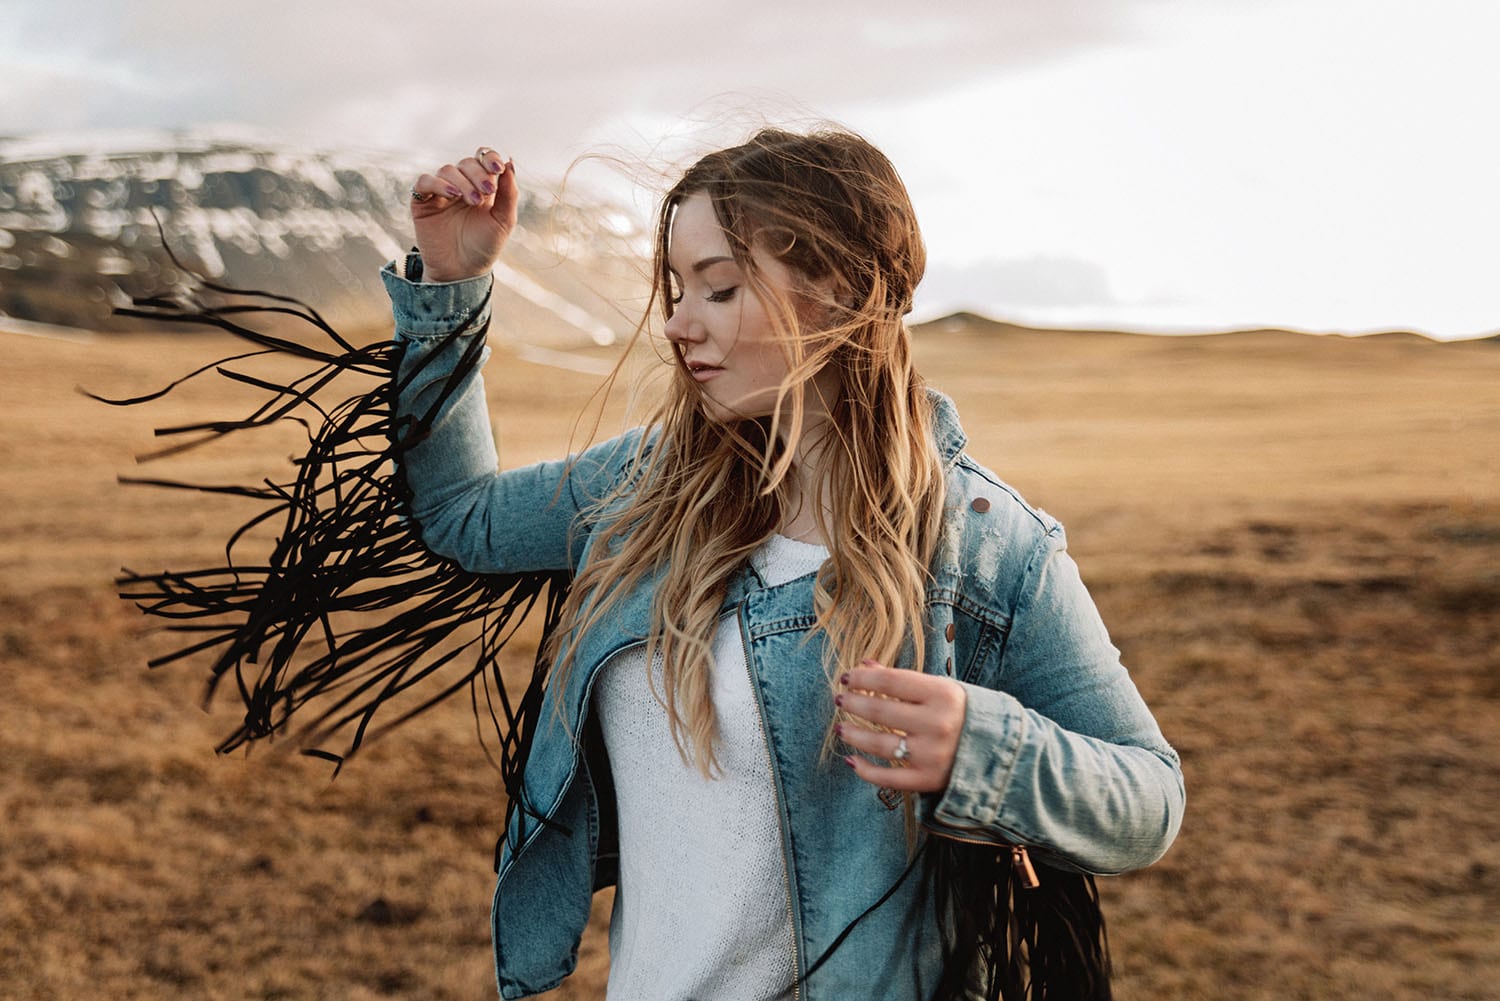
point(681, 328)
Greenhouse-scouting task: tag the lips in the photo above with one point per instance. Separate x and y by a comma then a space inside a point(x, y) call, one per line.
point(702, 371)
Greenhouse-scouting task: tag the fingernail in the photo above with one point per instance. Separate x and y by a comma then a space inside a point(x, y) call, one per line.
point(474, 197)
point(838, 729)
point(497, 167)
point(844, 678)
point(870, 663)
point(489, 187)
point(838, 700)
point(849, 761)
point(453, 192)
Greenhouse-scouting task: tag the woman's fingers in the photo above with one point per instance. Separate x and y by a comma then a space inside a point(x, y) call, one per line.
point(900, 699)
point(924, 767)
point(463, 213)
point(924, 714)
point(481, 179)
point(909, 686)
point(915, 779)
point(469, 180)
point(432, 186)
point(460, 185)
point(490, 160)
point(892, 713)
point(878, 743)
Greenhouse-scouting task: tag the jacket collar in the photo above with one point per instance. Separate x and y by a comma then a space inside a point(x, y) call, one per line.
point(947, 433)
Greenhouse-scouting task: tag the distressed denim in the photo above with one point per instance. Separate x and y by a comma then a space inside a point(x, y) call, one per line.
point(1057, 752)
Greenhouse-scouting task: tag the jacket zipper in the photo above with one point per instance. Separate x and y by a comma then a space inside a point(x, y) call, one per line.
point(786, 864)
point(1020, 856)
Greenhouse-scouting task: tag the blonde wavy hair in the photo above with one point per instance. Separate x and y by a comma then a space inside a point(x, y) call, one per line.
point(706, 493)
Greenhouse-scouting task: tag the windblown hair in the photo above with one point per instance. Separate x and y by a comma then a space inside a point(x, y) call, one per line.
point(707, 492)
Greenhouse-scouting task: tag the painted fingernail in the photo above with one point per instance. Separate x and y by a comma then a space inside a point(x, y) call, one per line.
point(849, 761)
point(489, 187)
point(838, 700)
point(474, 197)
point(453, 192)
point(497, 167)
point(838, 729)
point(844, 678)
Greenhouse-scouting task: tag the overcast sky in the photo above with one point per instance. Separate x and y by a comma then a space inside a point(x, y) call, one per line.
point(1319, 164)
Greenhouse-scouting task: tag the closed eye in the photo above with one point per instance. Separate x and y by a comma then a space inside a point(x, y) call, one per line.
point(723, 295)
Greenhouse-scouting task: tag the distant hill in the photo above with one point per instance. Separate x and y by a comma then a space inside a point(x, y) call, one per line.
point(968, 324)
point(78, 235)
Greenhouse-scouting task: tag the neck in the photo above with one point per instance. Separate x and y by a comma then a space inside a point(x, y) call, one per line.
point(809, 467)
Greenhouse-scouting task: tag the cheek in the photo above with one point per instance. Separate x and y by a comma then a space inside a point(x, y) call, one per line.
point(760, 340)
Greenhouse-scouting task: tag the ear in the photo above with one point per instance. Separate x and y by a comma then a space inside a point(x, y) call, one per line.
point(831, 292)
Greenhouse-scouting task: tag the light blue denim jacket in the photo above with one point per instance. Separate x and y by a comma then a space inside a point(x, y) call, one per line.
point(1058, 751)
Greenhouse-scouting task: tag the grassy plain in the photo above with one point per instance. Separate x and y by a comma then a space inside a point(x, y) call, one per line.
point(1295, 540)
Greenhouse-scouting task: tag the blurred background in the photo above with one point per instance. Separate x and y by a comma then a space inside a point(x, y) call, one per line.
point(1294, 535)
point(1163, 165)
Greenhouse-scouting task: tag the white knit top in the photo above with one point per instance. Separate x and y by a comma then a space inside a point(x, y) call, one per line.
point(702, 909)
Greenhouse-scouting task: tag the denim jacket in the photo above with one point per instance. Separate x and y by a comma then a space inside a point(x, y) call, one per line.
point(1057, 751)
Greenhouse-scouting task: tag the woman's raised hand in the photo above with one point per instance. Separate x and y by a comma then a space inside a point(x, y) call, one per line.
point(925, 713)
point(463, 214)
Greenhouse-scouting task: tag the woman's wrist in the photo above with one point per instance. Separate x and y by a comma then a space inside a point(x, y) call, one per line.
point(425, 308)
point(412, 268)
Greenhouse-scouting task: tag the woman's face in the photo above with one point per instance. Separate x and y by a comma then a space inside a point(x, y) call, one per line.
point(721, 328)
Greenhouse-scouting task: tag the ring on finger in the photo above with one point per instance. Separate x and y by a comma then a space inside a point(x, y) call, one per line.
point(420, 196)
point(902, 753)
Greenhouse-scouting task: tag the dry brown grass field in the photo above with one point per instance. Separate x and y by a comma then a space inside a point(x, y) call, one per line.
point(1295, 540)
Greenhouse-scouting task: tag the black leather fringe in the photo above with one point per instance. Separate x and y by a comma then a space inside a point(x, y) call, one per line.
point(345, 616)
point(1005, 940)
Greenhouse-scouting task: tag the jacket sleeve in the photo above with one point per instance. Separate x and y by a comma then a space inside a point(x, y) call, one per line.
point(486, 520)
point(1062, 755)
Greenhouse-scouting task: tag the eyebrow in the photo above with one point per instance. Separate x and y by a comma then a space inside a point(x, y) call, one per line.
point(703, 265)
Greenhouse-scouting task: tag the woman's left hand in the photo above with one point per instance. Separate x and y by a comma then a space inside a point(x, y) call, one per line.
point(924, 710)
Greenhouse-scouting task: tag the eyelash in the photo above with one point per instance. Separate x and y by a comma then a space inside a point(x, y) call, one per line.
point(718, 295)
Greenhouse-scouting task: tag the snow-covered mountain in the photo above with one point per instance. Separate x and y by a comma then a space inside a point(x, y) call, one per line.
point(78, 235)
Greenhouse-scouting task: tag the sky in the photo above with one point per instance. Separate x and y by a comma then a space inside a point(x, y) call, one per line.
point(1171, 165)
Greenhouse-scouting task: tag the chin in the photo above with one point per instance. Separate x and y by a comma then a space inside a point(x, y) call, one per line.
point(723, 413)
point(720, 414)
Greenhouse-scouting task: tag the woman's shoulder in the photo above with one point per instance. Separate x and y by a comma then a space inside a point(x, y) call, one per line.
point(992, 536)
point(603, 467)
point(979, 493)
point(975, 493)
point(618, 453)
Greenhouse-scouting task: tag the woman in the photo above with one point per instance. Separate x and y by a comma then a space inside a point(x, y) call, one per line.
point(796, 604)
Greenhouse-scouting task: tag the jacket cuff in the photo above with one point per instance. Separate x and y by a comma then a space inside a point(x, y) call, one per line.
point(429, 309)
point(989, 746)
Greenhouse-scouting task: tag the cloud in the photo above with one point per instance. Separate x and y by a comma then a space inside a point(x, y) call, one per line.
point(553, 76)
point(1018, 284)
point(1281, 159)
